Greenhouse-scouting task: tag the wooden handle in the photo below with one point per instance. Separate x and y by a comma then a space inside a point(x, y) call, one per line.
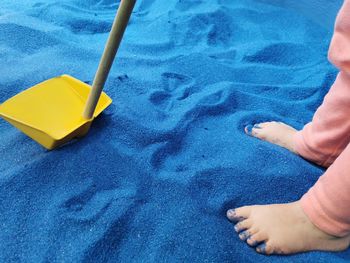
point(115, 37)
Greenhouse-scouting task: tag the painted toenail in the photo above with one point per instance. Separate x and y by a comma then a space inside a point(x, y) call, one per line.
point(237, 228)
point(261, 248)
point(231, 212)
point(249, 129)
point(257, 126)
point(244, 235)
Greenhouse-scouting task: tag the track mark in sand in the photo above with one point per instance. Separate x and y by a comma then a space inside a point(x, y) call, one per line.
point(79, 20)
point(93, 203)
point(88, 205)
point(97, 4)
point(173, 84)
point(38, 4)
point(189, 91)
point(77, 202)
point(159, 97)
point(228, 55)
point(213, 99)
point(283, 54)
point(123, 78)
point(146, 5)
point(171, 81)
point(31, 39)
point(215, 28)
point(170, 148)
point(184, 5)
point(81, 25)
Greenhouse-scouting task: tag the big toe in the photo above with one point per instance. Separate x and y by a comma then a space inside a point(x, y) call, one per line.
point(255, 130)
point(238, 214)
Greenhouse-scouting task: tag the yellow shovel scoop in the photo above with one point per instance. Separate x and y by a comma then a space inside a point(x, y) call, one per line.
point(60, 109)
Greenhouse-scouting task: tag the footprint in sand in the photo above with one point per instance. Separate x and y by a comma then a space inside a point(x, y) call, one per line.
point(92, 203)
point(174, 85)
point(159, 98)
point(87, 26)
point(214, 29)
point(172, 81)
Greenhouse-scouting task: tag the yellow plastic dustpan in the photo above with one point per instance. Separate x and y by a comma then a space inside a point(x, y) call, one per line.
point(60, 109)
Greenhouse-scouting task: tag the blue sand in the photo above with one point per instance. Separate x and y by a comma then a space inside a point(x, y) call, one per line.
point(153, 179)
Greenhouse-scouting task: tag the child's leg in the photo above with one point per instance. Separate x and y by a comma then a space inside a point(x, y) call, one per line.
point(327, 135)
point(323, 139)
point(327, 204)
point(319, 221)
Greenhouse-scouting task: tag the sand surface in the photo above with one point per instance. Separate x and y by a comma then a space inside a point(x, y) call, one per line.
point(153, 179)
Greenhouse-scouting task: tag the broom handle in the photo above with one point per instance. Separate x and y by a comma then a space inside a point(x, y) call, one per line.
point(115, 37)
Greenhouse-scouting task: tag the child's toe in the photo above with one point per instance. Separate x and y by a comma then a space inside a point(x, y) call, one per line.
point(256, 239)
point(238, 214)
point(243, 225)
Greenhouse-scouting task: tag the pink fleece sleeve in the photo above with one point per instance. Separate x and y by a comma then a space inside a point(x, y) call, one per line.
point(326, 136)
point(326, 140)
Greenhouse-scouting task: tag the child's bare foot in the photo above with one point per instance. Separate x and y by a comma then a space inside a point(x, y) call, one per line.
point(282, 229)
point(274, 132)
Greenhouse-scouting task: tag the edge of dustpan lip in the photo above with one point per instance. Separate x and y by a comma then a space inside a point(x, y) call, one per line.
point(32, 127)
point(47, 133)
point(21, 122)
point(83, 122)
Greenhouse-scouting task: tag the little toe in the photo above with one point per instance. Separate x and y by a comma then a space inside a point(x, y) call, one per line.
point(261, 248)
point(238, 214)
point(243, 225)
point(264, 249)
